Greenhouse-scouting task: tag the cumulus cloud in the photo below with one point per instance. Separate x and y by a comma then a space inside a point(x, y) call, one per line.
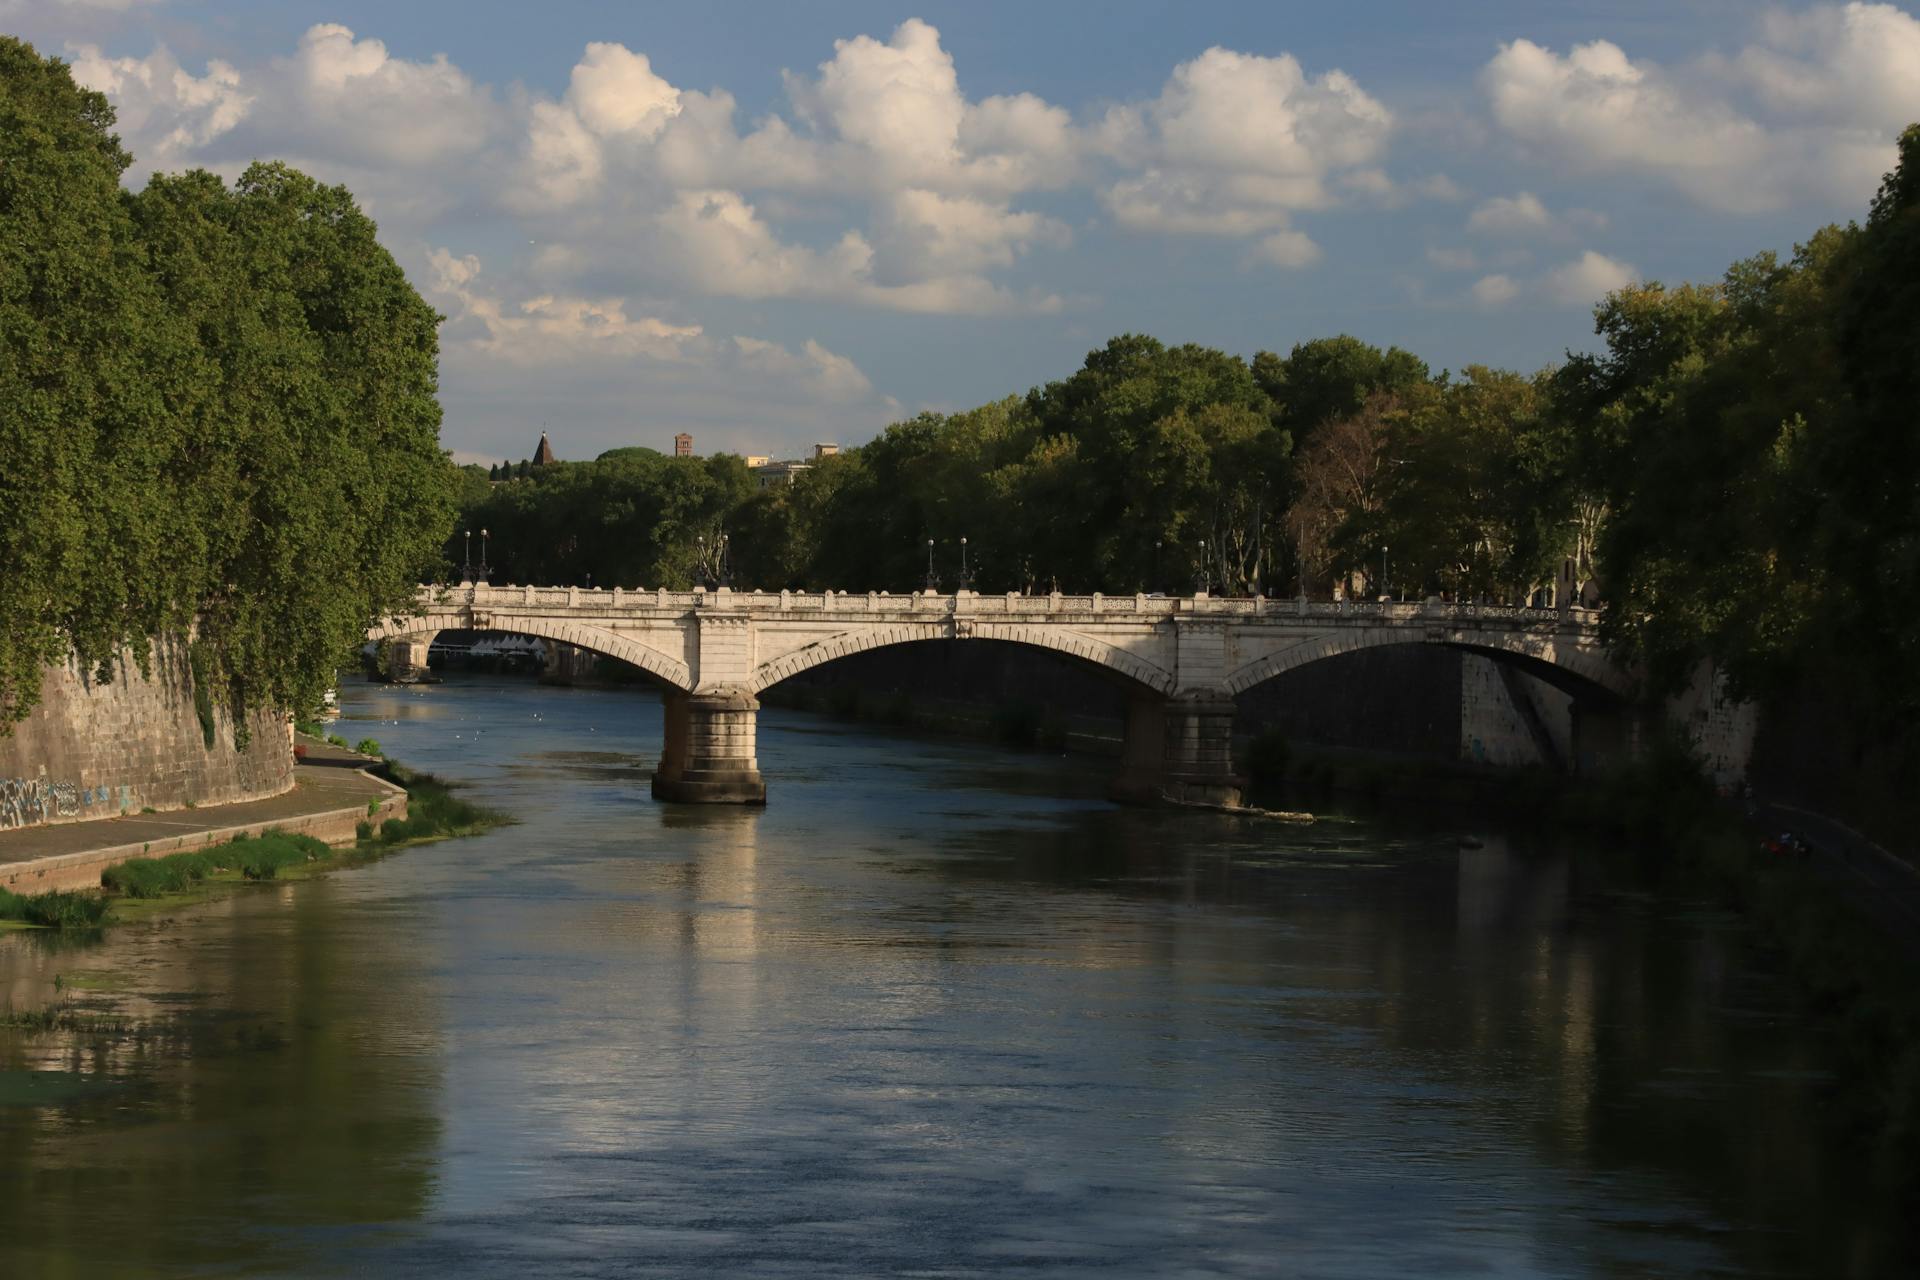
point(1287, 249)
point(1582, 282)
point(1588, 278)
point(166, 113)
point(1495, 290)
point(1509, 215)
point(342, 97)
point(1809, 110)
point(1237, 143)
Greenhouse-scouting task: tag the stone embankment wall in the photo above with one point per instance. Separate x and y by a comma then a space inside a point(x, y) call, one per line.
point(98, 750)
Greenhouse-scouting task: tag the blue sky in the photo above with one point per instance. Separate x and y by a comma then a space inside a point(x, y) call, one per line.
point(771, 224)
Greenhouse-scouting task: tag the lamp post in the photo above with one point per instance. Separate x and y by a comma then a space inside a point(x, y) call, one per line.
point(933, 579)
point(966, 574)
point(1383, 569)
point(1157, 584)
point(1201, 578)
point(486, 574)
point(726, 568)
point(466, 561)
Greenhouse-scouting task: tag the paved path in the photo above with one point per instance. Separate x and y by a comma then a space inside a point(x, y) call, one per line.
point(328, 779)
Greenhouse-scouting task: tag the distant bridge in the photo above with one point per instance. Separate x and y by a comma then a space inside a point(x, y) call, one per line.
point(1182, 660)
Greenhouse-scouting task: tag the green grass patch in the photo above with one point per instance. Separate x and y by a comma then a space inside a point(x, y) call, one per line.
point(63, 909)
point(434, 810)
point(260, 857)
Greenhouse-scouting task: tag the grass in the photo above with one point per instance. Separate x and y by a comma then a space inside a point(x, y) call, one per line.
point(65, 909)
point(260, 857)
point(434, 811)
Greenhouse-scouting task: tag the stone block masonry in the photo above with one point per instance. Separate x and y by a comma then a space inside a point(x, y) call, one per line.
point(94, 749)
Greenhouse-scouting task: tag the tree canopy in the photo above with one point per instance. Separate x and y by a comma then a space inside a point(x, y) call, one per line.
point(218, 405)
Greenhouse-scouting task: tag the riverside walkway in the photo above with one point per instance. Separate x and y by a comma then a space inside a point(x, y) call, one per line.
point(331, 792)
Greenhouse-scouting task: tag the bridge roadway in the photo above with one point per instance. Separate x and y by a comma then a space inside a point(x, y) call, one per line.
point(1181, 659)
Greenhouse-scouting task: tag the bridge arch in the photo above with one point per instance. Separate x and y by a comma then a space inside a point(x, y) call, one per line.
point(1130, 668)
point(1557, 659)
point(608, 644)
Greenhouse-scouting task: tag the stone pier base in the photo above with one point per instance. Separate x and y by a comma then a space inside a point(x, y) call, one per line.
point(1179, 750)
point(707, 754)
point(407, 659)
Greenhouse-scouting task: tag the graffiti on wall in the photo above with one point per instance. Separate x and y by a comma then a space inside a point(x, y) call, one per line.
point(26, 801)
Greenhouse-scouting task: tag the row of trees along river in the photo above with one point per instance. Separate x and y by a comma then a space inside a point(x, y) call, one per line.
point(218, 411)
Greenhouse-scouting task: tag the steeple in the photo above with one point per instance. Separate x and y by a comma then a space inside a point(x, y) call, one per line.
point(544, 454)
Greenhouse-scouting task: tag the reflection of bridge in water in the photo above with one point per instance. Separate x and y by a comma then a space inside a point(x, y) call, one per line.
point(1181, 660)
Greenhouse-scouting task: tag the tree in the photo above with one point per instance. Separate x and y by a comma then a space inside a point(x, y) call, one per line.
point(218, 408)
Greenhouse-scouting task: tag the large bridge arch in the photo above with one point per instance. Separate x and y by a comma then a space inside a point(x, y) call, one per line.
point(608, 644)
point(1133, 671)
point(1573, 666)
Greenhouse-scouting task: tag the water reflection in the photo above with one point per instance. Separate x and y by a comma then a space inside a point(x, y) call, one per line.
point(913, 1016)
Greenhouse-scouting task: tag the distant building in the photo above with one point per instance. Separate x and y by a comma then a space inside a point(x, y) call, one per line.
point(824, 451)
point(544, 454)
point(683, 445)
point(770, 474)
point(757, 460)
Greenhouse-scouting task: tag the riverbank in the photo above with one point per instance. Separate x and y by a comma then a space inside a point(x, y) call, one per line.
point(342, 800)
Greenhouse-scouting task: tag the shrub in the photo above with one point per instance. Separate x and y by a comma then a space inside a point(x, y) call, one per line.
point(368, 746)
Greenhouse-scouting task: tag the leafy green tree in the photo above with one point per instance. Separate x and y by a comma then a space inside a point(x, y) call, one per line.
point(220, 403)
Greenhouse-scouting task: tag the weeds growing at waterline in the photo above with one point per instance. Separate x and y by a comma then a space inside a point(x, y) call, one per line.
point(63, 909)
point(433, 809)
point(259, 857)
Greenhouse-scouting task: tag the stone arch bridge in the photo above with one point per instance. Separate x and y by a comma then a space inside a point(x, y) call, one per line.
point(1182, 660)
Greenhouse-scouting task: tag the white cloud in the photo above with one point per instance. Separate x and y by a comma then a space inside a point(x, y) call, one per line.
point(1237, 143)
point(1287, 249)
point(615, 93)
point(1807, 113)
point(165, 112)
point(545, 330)
point(1495, 290)
point(1510, 215)
point(1588, 278)
point(1858, 65)
point(344, 98)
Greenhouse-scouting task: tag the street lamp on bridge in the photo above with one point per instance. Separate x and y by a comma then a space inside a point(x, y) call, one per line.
point(966, 574)
point(933, 579)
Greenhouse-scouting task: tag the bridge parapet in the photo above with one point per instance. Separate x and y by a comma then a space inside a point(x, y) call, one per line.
point(602, 601)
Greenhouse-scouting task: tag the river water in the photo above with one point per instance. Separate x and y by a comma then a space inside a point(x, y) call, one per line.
point(937, 1010)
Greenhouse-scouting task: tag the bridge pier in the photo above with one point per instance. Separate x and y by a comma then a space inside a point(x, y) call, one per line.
point(707, 751)
point(1178, 750)
point(407, 658)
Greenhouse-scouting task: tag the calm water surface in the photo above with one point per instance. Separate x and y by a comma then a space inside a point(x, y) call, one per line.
point(938, 1010)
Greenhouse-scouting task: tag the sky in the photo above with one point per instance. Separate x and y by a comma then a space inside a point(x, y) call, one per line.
point(773, 224)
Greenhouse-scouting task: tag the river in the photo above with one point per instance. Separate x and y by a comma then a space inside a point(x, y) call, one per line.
point(939, 1009)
